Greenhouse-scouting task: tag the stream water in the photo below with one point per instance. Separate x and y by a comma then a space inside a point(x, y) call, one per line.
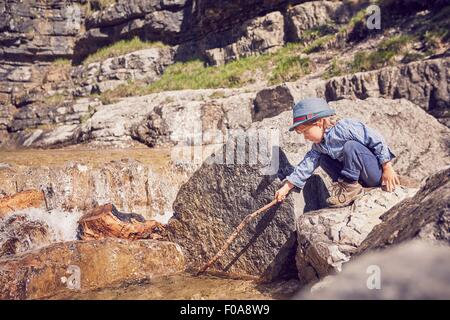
point(190, 287)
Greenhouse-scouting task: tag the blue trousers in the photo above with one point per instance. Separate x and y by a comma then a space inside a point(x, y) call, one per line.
point(359, 164)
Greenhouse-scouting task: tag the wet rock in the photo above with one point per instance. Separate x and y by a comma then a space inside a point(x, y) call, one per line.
point(425, 216)
point(106, 221)
point(33, 228)
point(131, 185)
point(425, 83)
point(21, 200)
point(86, 265)
point(411, 270)
point(213, 202)
point(18, 234)
point(328, 238)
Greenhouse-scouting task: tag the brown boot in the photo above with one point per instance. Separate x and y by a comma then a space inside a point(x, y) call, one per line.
point(344, 193)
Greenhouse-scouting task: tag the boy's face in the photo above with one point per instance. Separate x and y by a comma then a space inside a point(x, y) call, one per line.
point(311, 131)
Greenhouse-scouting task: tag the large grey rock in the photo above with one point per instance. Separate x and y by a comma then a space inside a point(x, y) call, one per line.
point(411, 270)
point(213, 202)
point(272, 101)
point(329, 237)
point(195, 122)
point(424, 216)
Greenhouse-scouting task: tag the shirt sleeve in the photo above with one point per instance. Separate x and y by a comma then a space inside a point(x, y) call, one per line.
point(305, 168)
point(372, 140)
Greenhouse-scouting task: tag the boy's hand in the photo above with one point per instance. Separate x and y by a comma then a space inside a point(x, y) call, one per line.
point(389, 177)
point(281, 194)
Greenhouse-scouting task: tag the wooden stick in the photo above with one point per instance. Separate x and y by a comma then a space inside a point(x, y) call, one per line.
point(233, 236)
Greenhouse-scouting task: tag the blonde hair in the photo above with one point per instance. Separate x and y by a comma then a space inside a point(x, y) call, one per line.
point(330, 121)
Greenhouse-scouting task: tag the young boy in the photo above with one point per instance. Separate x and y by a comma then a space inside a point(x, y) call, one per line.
point(351, 153)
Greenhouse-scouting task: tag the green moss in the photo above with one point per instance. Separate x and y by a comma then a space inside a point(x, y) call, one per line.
point(317, 32)
point(383, 56)
point(55, 99)
point(319, 44)
point(334, 70)
point(413, 56)
point(290, 69)
point(217, 95)
point(62, 62)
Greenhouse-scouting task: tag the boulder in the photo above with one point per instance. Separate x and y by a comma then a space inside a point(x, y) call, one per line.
point(412, 270)
point(214, 201)
point(86, 265)
point(106, 221)
point(425, 216)
point(328, 238)
point(195, 122)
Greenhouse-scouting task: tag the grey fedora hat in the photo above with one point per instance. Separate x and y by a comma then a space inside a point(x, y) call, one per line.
point(310, 109)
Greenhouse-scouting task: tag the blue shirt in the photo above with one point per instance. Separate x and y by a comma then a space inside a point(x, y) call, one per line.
point(333, 145)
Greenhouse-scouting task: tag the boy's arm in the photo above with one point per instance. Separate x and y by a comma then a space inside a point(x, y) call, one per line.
point(304, 169)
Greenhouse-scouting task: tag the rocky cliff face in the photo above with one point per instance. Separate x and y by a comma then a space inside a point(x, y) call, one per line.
point(44, 103)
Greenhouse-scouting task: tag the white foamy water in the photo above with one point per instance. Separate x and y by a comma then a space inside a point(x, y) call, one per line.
point(62, 225)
